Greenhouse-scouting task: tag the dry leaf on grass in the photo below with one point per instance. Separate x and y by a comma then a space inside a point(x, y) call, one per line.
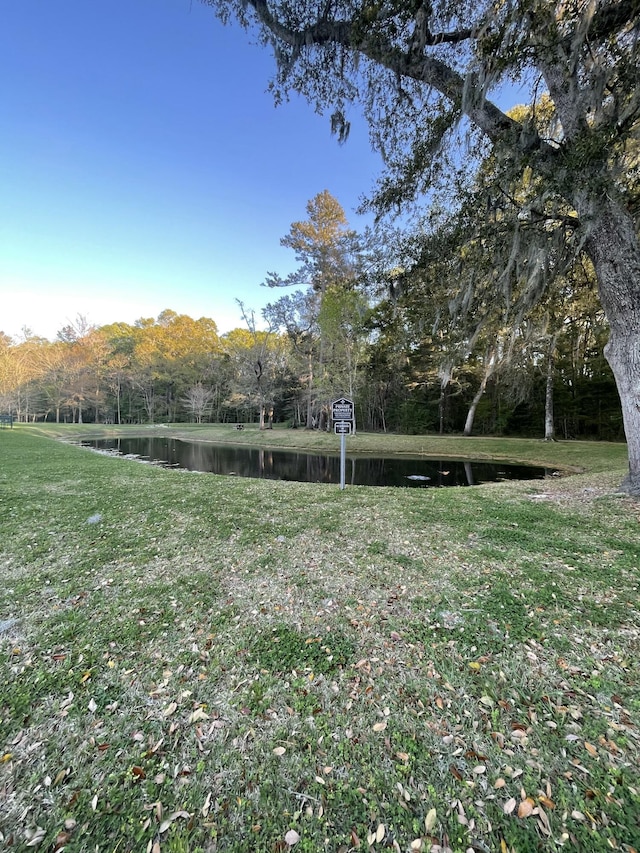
point(510, 805)
point(430, 820)
point(197, 715)
point(292, 837)
point(164, 826)
point(526, 807)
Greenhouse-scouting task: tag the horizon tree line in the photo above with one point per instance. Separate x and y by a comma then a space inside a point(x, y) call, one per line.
point(419, 347)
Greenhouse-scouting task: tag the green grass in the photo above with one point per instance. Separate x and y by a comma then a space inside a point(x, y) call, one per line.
point(198, 663)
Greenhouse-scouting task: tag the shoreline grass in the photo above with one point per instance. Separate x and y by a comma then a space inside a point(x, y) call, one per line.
point(199, 663)
point(568, 456)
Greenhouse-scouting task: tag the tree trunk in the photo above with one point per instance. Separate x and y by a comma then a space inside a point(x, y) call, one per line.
point(549, 429)
point(614, 248)
point(310, 394)
point(471, 414)
point(441, 407)
point(489, 369)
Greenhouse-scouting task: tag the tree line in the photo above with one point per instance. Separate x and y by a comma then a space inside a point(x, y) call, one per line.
point(412, 346)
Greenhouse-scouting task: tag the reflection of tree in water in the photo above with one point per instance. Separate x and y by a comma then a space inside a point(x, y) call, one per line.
point(316, 468)
point(469, 474)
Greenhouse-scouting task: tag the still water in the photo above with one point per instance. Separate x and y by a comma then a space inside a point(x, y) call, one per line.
point(416, 472)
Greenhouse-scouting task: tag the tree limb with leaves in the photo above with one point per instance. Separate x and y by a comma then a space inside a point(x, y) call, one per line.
point(425, 71)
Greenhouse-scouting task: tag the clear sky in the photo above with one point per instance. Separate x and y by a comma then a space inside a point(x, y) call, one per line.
point(143, 165)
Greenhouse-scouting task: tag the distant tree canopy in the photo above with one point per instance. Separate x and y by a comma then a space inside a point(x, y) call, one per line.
point(403, 374)
point(424, 73)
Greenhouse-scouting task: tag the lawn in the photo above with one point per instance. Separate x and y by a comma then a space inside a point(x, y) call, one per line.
point(199, 663)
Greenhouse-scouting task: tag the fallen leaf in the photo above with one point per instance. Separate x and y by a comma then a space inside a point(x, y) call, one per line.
point(62, 839)
point(36, 837)
point(197, 715)
point(170, 709)
point(380, 727)
point(526, 807)
point(164, 826)
point(92, 706)
point(510, 805)
point(279, 750)
point(430, 820)
point(207, 805)
point(62, 774)
point(292, 837)
point(543, 821)
point(380, 832)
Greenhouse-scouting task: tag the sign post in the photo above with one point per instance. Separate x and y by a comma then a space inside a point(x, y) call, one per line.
point(342, 414)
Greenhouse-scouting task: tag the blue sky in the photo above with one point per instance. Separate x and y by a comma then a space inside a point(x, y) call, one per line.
point(144, 166)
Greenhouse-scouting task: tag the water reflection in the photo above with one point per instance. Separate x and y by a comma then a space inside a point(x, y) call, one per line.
point(416, 472)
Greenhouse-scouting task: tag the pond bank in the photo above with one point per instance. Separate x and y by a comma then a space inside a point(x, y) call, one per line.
point(566, 456)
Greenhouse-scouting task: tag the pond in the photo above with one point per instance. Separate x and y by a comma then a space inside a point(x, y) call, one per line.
point(241, 461)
